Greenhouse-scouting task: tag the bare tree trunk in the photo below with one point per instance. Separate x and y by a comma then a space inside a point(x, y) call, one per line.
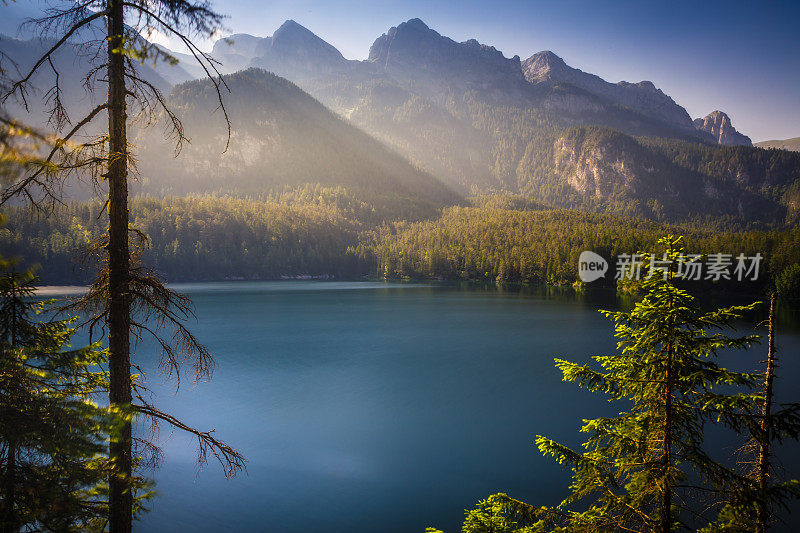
point(666, 499)
point(119, 320)
point(762, 523)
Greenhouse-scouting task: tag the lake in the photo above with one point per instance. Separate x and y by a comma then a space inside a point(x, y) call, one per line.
point(382, 407)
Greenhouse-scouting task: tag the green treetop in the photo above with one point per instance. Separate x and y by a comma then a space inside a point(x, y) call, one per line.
point(648, 469)
point(53, 437)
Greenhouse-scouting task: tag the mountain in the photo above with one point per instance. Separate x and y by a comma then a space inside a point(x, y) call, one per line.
point(235, 52)
point(292, 51)
point(719, 126)
point(428, 65)
point(676, 180)
point(281, 137)
point(461, 111)
point(792, 144)
point(424, 61)
point(440, 69)
point(644, 97)
point(465, 114)
point(186, 69)
point(15, 18)
point(293, 43)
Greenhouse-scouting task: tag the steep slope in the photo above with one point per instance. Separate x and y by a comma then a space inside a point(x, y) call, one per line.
point(235, 52)
point(718, 125)
point(427, 133)
point(462, 111)
point(668, 180)
point(546, 67)
point(292, 51)
point(186, 69)
point(281, 137)
point(792, 144)
point(294, 44)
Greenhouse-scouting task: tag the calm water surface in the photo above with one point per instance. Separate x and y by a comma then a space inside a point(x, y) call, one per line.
point(380, 407)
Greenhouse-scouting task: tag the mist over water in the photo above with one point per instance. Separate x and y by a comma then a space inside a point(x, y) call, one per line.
point(381, 407)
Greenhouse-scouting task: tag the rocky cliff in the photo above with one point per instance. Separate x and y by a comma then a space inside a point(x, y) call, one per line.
point(719, 126)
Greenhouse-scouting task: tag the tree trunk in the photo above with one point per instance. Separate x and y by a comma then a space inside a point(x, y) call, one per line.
point(764, 441)
point(120, 497)
point(9, 524)
point(666, 499)
point(9, 505)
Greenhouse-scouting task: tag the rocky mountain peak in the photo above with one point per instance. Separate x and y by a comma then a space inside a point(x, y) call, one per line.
point(291, 30)
point(416, 24)
point(543, 65)
point(294, 38)
point(414, 54)
point(719, 125)
point(291, 47)
point(644, 97)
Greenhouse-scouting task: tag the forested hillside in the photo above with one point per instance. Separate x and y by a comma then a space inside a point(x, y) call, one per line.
point(305, 232)
point(326, 233)
point(280, 137)
point(663, 179)
point(543, 245)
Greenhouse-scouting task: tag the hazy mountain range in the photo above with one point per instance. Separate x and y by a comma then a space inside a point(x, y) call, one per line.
point(420, 59)
point(792, 144)
point(468, 119)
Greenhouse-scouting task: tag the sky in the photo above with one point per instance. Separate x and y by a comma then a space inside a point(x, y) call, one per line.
point(741, 57)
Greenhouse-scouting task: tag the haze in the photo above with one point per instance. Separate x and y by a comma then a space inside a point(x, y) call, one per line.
point(734, 56)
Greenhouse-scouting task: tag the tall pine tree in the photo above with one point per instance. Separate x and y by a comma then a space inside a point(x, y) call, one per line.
point(53, 435)
point(126, 299)
point(757, 502)
point(648, 469)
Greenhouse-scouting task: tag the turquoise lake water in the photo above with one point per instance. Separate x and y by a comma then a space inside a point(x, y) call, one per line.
point(383, 407)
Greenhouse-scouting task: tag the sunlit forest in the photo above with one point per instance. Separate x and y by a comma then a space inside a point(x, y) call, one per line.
point(328, 234)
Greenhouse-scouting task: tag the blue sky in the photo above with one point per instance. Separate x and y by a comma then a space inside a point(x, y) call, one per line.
point(740, 57)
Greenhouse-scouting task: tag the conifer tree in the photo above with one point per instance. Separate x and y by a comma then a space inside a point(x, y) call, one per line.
point(126, 300)
point(646, 469)
point(53, 436)
point(755, 505)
